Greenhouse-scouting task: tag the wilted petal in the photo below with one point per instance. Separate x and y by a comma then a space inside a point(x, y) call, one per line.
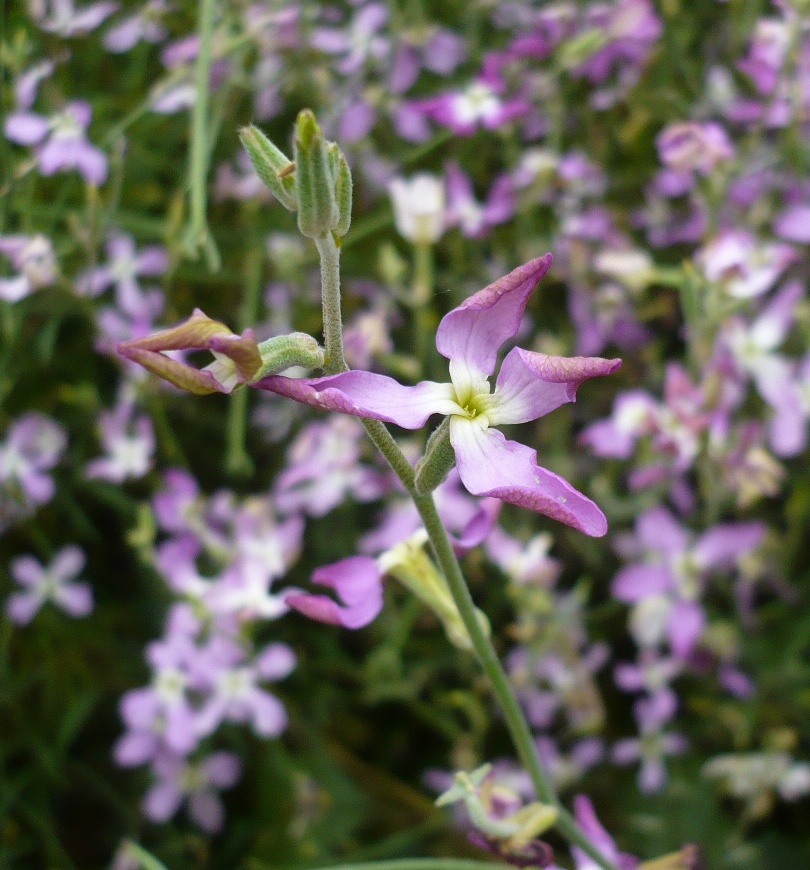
point(366, 394)
point(199, 332)
point(358, 584)
point(471, 335)
point(490, 465)
point(530, 385)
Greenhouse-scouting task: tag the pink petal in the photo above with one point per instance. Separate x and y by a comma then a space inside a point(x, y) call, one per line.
point(722, 545)
point(26, 128)
point(531, 385)
point(223, 769)
point(268, 714)
point(68, 562)
point(358, 584)
point(684, 627)
point(636, 582)
point(365, 394)
point(206, 809)
point(162, 801)
point(75, 598)
point(659, 531)
point(276, 661)
point(490, 465)
point(22, 607)
point(27, 571)
point(472, 334)
point(478, 527)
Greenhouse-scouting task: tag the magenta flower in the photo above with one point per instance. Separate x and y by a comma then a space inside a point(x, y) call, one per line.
point(528, 386)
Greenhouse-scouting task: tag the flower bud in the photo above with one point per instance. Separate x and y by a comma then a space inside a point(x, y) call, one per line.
point(284, 351)
point(237, 359)
point(317, 205)
point(343, 189)
point(274, 168)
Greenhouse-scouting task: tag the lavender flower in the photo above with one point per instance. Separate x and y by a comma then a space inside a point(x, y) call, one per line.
point(54, 583)
point(529, 385)
point(35, 262)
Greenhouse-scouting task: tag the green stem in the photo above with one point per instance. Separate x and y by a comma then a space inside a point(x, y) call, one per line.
point(332, 318)
point(443, 549)
point(198, 235)
point(237, 459)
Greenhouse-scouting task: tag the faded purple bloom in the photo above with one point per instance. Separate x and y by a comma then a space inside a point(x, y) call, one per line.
point(651, 748)
point(742, 265)
point(358, 41)
point(463, 210)
point(129, 442)
point(691, 147)
point(529, 385)
point(672, 577)
point(235, 694)
point(439, 51)
point(419, 212)
point(357, 581)
point(33, 259)
point(61, 140)
point(124, 265)
point(143, 26)
point(323, 469)
point(527, 562)
point(62, 17)
point(194, 782)
point(481, 103)
point(54, 583)
point(33, 445)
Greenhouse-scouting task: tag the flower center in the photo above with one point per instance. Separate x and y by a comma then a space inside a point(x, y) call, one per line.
point(474, 400)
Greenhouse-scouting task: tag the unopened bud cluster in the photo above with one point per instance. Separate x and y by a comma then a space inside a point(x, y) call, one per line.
point(316, 183)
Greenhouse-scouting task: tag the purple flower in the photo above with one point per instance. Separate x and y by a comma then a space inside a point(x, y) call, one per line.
point(235, 695)
point(671, 581)
point(691, 147)
point(142, 26)
point(651, 748)
point(54, 583)
point(195, 782)
point(34, 260)
point(61, 16)
point(61, 140)
point(479, 104)
point(463, 210)
point(358, 41)
point(129, 442)
point(323, 468)
point(33, 445)
point(121, 271)
point(528, 386)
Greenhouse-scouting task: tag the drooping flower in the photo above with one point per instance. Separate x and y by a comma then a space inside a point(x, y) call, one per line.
point(237, 357)
point(528, 386)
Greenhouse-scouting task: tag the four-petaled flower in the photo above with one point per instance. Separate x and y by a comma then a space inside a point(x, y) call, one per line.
point(528, 386)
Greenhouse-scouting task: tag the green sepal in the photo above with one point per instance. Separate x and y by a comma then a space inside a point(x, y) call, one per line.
point(433, 468)
point(272, 165)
